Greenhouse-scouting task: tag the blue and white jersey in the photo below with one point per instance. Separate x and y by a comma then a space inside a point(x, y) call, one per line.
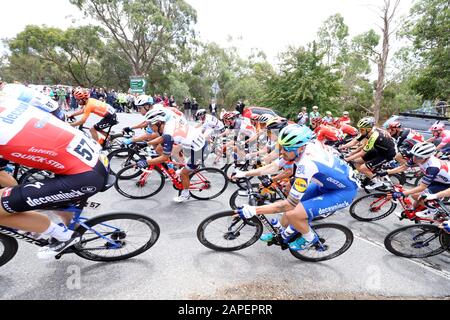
point(32, 97)
point(319, 165)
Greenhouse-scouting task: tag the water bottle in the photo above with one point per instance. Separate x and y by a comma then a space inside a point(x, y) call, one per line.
point(9, 168)
point(277, 225)
point(288, 233)
point(171, 169)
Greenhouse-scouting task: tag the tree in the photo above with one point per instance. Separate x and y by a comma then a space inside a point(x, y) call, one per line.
point(76, 52)
point(428, 29)
point(332, 40)
point(146, 31)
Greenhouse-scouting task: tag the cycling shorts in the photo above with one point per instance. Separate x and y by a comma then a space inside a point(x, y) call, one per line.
point(108, 121)
point(436, 187)
point(197, 158)
point(55, 192)
point(374, 160)
point(321, 202)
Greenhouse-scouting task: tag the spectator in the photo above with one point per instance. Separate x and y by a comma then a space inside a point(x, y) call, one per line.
point(172, 102)
point(111, 98)
point(345, 119)
point(194, 106)
point(73, 101)
point(101, 95)
point(187, 108)
point(302, 117)
point(314, 114)
point(328, 118)
point(441, 107)
point(158, 99)
point(213, 107)
point(240, 106)
point(62, 98)
point(94, 93)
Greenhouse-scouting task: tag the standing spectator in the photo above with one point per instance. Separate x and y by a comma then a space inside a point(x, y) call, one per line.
point(194, 106)
point(158, 99)
point(73, 101)
point(302, 117)
point(166, 100)
point(101, 95)
point(94, 93)
point(110, 98)
point(187, 108)
point(345, 119)
point(240, 106)
point(441, 107)
point(172, 102)
point(314, 114)
point(62, 98)
point(213, 107)
point(328, 118)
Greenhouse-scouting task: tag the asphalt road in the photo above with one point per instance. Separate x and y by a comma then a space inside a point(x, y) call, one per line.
point(179, 267)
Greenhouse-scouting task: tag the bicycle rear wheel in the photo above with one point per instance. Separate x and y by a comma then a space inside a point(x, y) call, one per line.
point(225, 232)
point(372, 207)
point(122, 158)
point(135, 183)
point(8, 249)
point(416, 241)
point(116, 237)
point(334, 240)
point(208, 184)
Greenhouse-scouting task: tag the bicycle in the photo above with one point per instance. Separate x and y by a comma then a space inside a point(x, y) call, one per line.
point(421, 240)
point(103, 238)
point(263, 195)
point(135, 183)
point(228, 229)
point(381, 206)
point(125, 156)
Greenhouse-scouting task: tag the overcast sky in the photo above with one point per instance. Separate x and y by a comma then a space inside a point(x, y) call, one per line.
point(269, 25)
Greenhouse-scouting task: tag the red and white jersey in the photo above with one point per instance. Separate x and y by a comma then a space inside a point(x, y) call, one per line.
point(328, 133)
point(36, 139)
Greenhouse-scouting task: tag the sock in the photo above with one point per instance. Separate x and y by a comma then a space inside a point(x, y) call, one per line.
point(309, 236)
point(185, 193)
point(58, 232)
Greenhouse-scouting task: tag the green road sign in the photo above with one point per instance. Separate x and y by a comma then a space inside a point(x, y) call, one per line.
point(137, 85)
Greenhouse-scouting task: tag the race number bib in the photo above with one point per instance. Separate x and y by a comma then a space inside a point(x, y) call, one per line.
point(85, 150)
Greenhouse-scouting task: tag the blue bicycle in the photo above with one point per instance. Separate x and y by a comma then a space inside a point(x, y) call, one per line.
point(107, 238)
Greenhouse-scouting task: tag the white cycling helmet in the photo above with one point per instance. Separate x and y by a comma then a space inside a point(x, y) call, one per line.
point(143, 100)
point(423, 150)
point(155, 116)
point(264, 118)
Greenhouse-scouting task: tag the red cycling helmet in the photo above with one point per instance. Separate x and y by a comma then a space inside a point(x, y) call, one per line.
point(80, 94)
point(395, 125)
point(437, 127)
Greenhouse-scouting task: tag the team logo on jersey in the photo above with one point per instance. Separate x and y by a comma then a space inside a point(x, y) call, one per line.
point(36, 185)
point(7, 192)
point(15, 114)
point(89, 189)
point(300, 169)
point(300, 185)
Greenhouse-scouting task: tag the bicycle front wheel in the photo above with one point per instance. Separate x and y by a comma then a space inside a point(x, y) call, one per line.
point(208, 184)
point(226, 232)
point(121, 158)
point(135, 183)
point(416, 241)
point(8, 249)
point(334, 240)
point(116, 237)
point(372, 207)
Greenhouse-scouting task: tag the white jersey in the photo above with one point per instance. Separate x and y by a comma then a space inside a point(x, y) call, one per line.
point(212, 124)
point(171, 113)
point(184, 134)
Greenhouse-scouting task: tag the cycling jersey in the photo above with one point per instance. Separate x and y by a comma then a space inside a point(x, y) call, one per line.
point(323, 182)
point(212, 124)
point(33, 138)
point(435, 170)
point(170, 113)
point(33, 97)
point(179, 132)
point(349, 130)
point(243, 127)
point(345, 120)
point(380, 141)
point(98, 108)
point(406, 136)
point(324, 132)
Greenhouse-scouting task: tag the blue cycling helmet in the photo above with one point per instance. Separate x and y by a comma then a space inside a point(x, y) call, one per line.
point(295, 136)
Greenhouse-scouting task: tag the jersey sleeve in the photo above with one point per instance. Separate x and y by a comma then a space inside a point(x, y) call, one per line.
point(430, 175)
point(303, 177)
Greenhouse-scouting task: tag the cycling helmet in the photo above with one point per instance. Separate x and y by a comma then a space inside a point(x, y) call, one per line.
point(437, 127)
point(423, 150)
point(200, 113)
point(395, 125)
point(230, 115)
point(277, 123)
point(264, 118)
point(80, 94)
point(143, 100)
point(366, 123)
point(155, 116)
point(295, 136)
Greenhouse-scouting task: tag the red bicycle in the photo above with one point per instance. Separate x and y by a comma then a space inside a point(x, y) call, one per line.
point(135, 183)
point(377, 206)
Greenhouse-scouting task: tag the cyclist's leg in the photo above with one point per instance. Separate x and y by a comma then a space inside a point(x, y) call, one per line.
point(6, 180)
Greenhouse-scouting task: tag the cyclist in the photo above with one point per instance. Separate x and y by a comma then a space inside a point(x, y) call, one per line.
point(30, 137)
point(209, 123)
point(175, 132)
point(6, 180)
point(439, 133)
point(101, 109)
point(379, 149)
point(260, 137)
point(349, 131)
point(143, 104)
point(328, 134)
point(33, 97)
point(323, 184)
point(274, 126)
point(436, 174)
point(403, 138)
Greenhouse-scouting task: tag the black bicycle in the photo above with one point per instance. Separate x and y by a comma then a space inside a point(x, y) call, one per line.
point(109, 237)
point(226, 231)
